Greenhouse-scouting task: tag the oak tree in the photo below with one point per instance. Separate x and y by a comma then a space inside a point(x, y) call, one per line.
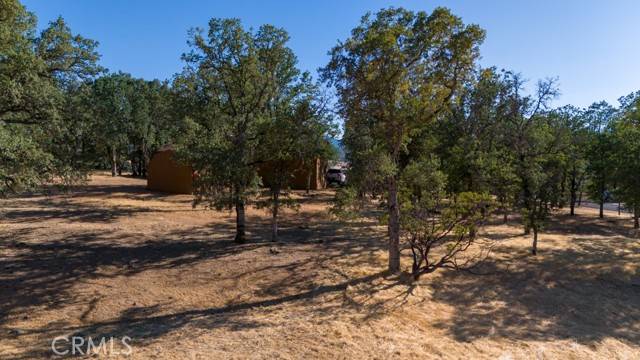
point(232, 81)
point(394, 75)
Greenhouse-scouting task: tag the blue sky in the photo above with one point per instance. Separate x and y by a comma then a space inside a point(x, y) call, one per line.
point(592, 46)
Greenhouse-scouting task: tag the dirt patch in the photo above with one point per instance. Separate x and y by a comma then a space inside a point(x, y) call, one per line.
point(111, 259)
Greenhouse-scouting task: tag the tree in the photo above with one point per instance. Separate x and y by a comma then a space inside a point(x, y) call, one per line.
point(131, 118)
point(436, 222)
point(233, 79)
point(473, 141)
point(576, 155)
point(295, 136)
point(112, 108)
point(600, 164)
point(151, 125)
point(626, 144)
point(451, 229)
point(537, 143)
point(36, 75)
point(394, 75)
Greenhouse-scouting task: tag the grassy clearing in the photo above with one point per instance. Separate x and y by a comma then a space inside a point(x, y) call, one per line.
point(111, 259)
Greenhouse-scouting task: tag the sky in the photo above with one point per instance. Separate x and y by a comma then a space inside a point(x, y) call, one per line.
point(590, 46)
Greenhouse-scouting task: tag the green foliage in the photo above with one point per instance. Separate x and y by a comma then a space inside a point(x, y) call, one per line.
point(422, 185)
point(440, 229)
point(600, 150)
point(294, 138)
point(131, 118)
point(112, 108)
point(296, 133)
point(38, 75)
point(68, 58)
point(394, 75)
point(474, 139)
point(574, 126)
point(346, 204)
point(536, 139)
point(426, 204)
point(430, 137)
point(626, 142)
point(24, 164)
point(235, 74)
point(231, 89)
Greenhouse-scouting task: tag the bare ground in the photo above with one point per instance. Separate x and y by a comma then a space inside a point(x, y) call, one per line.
point(111, 259)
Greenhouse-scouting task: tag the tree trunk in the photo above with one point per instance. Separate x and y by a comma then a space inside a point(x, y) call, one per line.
point(240, 222)
point(136, 164)
point(114, 162)
point(145, 163)
point(601, 214)
point(505, 213)
point(394, 226)
point(636, 217)
point(526, 199)
point(274, 219)
point(308, 183)
point(534, 247)
point(563, 189)
point(580, 199)
point(572, 201)
point(143, 159)
point(134, 167)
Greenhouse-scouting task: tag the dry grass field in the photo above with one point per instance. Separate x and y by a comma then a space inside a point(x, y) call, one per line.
point(112, 259)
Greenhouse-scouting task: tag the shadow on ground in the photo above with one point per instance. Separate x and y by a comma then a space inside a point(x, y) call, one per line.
point(583, 293)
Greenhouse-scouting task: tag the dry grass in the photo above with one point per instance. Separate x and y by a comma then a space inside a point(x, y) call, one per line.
point(111, 259)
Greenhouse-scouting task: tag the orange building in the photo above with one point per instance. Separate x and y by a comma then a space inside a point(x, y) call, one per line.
point(166, 174)
point(315, 175)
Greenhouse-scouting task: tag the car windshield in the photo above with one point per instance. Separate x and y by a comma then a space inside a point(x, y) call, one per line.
point(335, 171)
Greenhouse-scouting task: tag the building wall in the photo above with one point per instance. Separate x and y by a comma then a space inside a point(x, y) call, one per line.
point(167, 175)
point(300, 176)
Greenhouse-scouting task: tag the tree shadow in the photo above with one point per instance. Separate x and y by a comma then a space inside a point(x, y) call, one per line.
point(36, 211)
point(580, 224)
point(129, 192)
point(71, 206)
point(43, 273)
point(144, 325)
point(584, 293)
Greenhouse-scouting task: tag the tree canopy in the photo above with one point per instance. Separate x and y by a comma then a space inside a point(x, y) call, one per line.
point(433, 139)
point(36, 74)
point(393, 76)
point(238, 84)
